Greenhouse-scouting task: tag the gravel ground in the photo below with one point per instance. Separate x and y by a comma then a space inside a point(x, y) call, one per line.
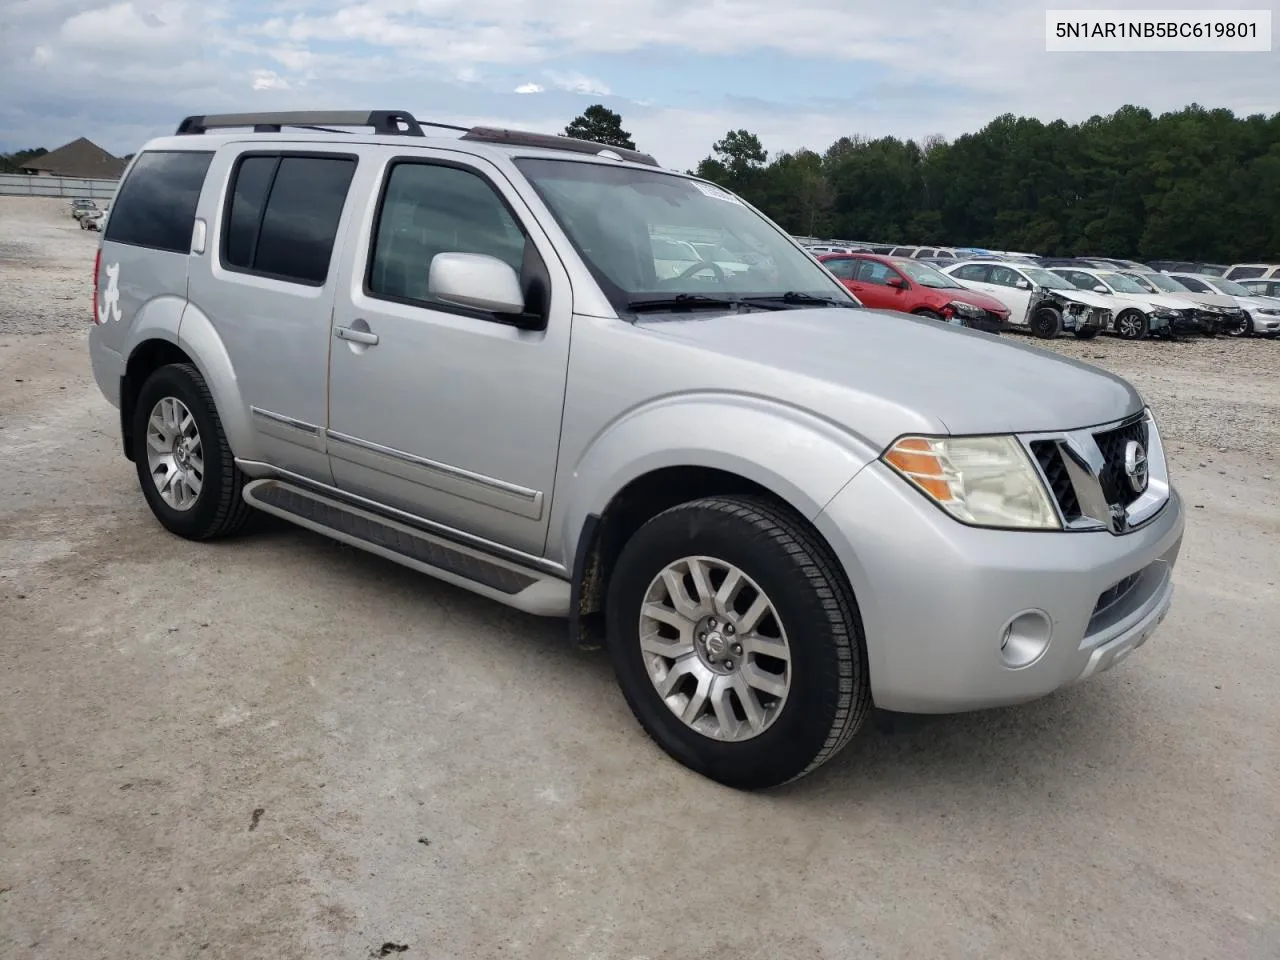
point(278, 747)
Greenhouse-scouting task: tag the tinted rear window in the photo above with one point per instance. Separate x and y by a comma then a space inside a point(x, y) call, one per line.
point(284, 215)
point(156, 204)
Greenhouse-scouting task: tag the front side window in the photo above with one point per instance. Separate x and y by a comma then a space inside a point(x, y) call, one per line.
point(428, 209)
point(1081, 281)
point(283, 215)
point(156, 204)
point(1166, 283)
point(975, 272)
point(873, 271)
point(613, 214)
point(1141, 281)
point(1004, 277)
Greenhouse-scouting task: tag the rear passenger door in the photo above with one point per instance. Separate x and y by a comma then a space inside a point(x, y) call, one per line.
point(444, 411)
point(265, 280)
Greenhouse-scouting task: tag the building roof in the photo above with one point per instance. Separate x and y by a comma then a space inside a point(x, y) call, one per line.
point(79, 158)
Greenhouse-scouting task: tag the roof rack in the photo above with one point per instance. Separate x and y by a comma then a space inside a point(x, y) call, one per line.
point(401, 123)
point(524, 138)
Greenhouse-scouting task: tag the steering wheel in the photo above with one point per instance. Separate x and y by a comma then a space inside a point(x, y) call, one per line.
point(698, 268)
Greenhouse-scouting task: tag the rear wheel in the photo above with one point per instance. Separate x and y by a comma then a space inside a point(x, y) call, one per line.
point(1046, 323)
point(1132, 325)
point(185, 465)
point(736, 641)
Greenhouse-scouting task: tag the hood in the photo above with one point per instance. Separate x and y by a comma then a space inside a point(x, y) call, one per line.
point(1208, 299)
point(1257, 303)
point(881, 373)
point(1174, 301)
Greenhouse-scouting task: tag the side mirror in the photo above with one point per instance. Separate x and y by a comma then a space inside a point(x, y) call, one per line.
point(896, 282)
point(1100, 289)
point(1023, 285)
point(481, 282)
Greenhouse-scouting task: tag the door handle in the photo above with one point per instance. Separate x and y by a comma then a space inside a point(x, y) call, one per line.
point(356, 336)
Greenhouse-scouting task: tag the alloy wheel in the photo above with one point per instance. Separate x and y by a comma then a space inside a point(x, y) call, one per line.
point(715, 648)
point(175, 457)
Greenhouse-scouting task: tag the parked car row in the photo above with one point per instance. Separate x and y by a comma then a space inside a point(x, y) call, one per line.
point(993, 294)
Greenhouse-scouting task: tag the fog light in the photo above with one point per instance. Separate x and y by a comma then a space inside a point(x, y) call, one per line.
point(1025, 638)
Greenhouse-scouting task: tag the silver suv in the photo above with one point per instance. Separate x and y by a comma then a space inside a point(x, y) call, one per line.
point(775, 508)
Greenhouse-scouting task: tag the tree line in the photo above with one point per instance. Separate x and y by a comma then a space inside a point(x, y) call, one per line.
point(1197, 184)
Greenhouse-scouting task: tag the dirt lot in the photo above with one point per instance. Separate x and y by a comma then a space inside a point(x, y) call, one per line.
point(279, 747)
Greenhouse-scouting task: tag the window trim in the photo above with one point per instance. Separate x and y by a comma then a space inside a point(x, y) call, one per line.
point(230, 197)
point(456, 309)
point(184, 251)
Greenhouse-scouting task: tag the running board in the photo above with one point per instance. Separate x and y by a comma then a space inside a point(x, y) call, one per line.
point(529, 590)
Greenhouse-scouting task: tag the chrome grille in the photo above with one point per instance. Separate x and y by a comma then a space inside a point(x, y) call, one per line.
point(1112, 443)
point(1084, 470)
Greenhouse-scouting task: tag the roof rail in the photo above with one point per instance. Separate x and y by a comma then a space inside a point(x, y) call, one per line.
point(524, 138)
point(400, 122)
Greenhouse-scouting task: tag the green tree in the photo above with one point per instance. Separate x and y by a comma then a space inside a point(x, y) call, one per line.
point(599, 124)
point(1195, 184)
point(12, 162)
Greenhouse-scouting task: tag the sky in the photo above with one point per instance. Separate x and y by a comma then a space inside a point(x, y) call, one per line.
point(798, 73)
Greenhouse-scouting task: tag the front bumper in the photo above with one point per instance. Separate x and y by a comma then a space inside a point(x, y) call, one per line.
point(936, 596)
point(1265, 326)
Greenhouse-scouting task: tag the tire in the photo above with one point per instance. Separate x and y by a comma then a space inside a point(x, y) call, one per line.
point(1131, 325)
point(1243, 329)
point(217, 508)
point(828, 696)
point(1046, 323)
point(1087, 333)
point(928, 315)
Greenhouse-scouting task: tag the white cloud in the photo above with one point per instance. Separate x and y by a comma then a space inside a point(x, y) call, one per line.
point(269, 80)
point(578, 83)
point(529, 88)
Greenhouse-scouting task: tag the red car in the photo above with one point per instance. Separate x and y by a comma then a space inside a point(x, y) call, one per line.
point(909, 286)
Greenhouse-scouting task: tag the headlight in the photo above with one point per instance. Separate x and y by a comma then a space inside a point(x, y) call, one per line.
point(1269, 311)
point(1165, 313)
point(984, 481)
point(966, 309)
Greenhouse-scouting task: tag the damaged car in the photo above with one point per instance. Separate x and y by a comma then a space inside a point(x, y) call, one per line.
point(1037, 300)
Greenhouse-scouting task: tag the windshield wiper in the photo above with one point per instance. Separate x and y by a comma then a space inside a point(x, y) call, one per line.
point(683, 301)
point(794, 297)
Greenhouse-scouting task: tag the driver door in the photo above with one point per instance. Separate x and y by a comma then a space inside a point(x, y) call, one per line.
point(1015, 292)
point(871, 286)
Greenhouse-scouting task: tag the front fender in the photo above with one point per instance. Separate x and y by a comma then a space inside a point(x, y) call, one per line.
point(200, 341)
point(800, 457)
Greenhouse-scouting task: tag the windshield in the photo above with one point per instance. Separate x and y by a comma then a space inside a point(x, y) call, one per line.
point(1046, 279)
point(926, 275)
point(640, 234)
point(1121, 283)
point(1162, 282)
point(1144, 282)
point(1229, 287)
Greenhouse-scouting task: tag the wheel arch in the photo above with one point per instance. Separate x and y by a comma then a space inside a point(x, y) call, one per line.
point(788, 458)
point(192, 340)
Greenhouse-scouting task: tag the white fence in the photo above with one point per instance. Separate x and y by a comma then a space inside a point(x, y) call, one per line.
point(23, 185)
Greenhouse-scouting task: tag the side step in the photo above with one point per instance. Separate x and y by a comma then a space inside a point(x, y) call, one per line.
point(529, 590)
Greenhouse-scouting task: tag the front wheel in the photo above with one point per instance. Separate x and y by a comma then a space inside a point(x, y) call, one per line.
point(1242, 328)
point(184, 462)
point(737, 642)
point(1046, 323)
point(1132, 325)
